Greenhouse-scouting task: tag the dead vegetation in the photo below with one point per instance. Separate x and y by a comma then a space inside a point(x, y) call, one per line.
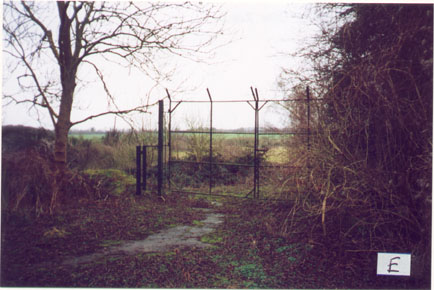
point(31, 183)
point(370, 158)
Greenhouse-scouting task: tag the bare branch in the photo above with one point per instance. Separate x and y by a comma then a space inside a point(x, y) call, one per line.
point(130, 34)
point(47, 33)
point(139, 109)
point(41, 89)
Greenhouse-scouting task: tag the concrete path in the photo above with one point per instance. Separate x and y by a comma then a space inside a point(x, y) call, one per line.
point(165, 240)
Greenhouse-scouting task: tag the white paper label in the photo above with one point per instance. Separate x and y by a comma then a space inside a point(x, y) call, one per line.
point(396, 264)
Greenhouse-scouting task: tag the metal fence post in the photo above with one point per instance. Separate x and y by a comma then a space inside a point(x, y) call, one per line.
point(308, 118)
point(169, 142)
point(144, 166)
point(256, 145)
point(160, 145)
point(138, 171)
point(210, 142)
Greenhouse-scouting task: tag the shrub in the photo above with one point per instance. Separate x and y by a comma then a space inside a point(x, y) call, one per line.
point(89, 154)
point(29, 184)
point(371, 161)
point(111, 181)
point(115, 150)
point(16, 138)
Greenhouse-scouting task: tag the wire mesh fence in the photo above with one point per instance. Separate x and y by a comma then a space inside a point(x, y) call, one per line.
point(250, 161)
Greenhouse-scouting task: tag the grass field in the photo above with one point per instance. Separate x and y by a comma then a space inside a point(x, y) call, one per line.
point(278, 155)
point(216, 135)
point(87, 136)
point(234, 135)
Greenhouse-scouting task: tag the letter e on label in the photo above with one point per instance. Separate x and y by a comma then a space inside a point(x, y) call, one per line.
point(395, 264)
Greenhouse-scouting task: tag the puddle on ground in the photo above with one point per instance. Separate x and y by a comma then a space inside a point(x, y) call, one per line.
point(177, 237)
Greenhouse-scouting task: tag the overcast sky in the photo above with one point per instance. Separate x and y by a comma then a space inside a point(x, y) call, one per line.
point(261, 34)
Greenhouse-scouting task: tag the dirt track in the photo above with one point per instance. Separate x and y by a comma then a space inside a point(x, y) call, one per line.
point(232, 246)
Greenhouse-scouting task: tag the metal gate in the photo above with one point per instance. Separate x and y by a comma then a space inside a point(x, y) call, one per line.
point(170, 166)
point(142, 160)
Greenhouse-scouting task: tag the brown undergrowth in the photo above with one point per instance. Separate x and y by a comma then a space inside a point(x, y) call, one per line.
point(30, 184)
point(249, 250)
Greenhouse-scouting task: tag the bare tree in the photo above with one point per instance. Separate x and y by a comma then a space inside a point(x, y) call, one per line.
point(51, 42)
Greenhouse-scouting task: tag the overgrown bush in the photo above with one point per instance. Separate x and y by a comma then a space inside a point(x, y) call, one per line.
point(110, 181)
point(89, 154)
point(197, 175)
point(16, 138)
point(115, 150)
point(26, 181)
point(225, 171)
point(31, 184)
point(370, 163)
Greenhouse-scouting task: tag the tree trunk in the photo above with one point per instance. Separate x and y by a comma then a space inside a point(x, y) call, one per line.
point(61, 142)
point(62, 128)
point(68, 70)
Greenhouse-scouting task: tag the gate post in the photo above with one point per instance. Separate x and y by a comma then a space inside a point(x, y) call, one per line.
point(256, 157)
point(210, 142)
point(308, 118)
point(144, 166)
point(138, 171)
point(160, 145)
point(256, 145)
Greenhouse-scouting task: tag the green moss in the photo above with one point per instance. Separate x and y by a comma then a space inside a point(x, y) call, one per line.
point(282, 249)
point(251, 271)
point(158, 254)
point(221, 280)
point(197, 223)
point(211, 239)
point(110, 243)
point(113, 181)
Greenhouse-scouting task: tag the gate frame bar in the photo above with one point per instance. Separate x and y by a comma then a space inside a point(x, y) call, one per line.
point(256, 107)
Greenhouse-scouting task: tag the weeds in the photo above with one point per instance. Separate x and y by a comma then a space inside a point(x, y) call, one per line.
point(111, 181)
point(212, 238)
point(369, 162)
